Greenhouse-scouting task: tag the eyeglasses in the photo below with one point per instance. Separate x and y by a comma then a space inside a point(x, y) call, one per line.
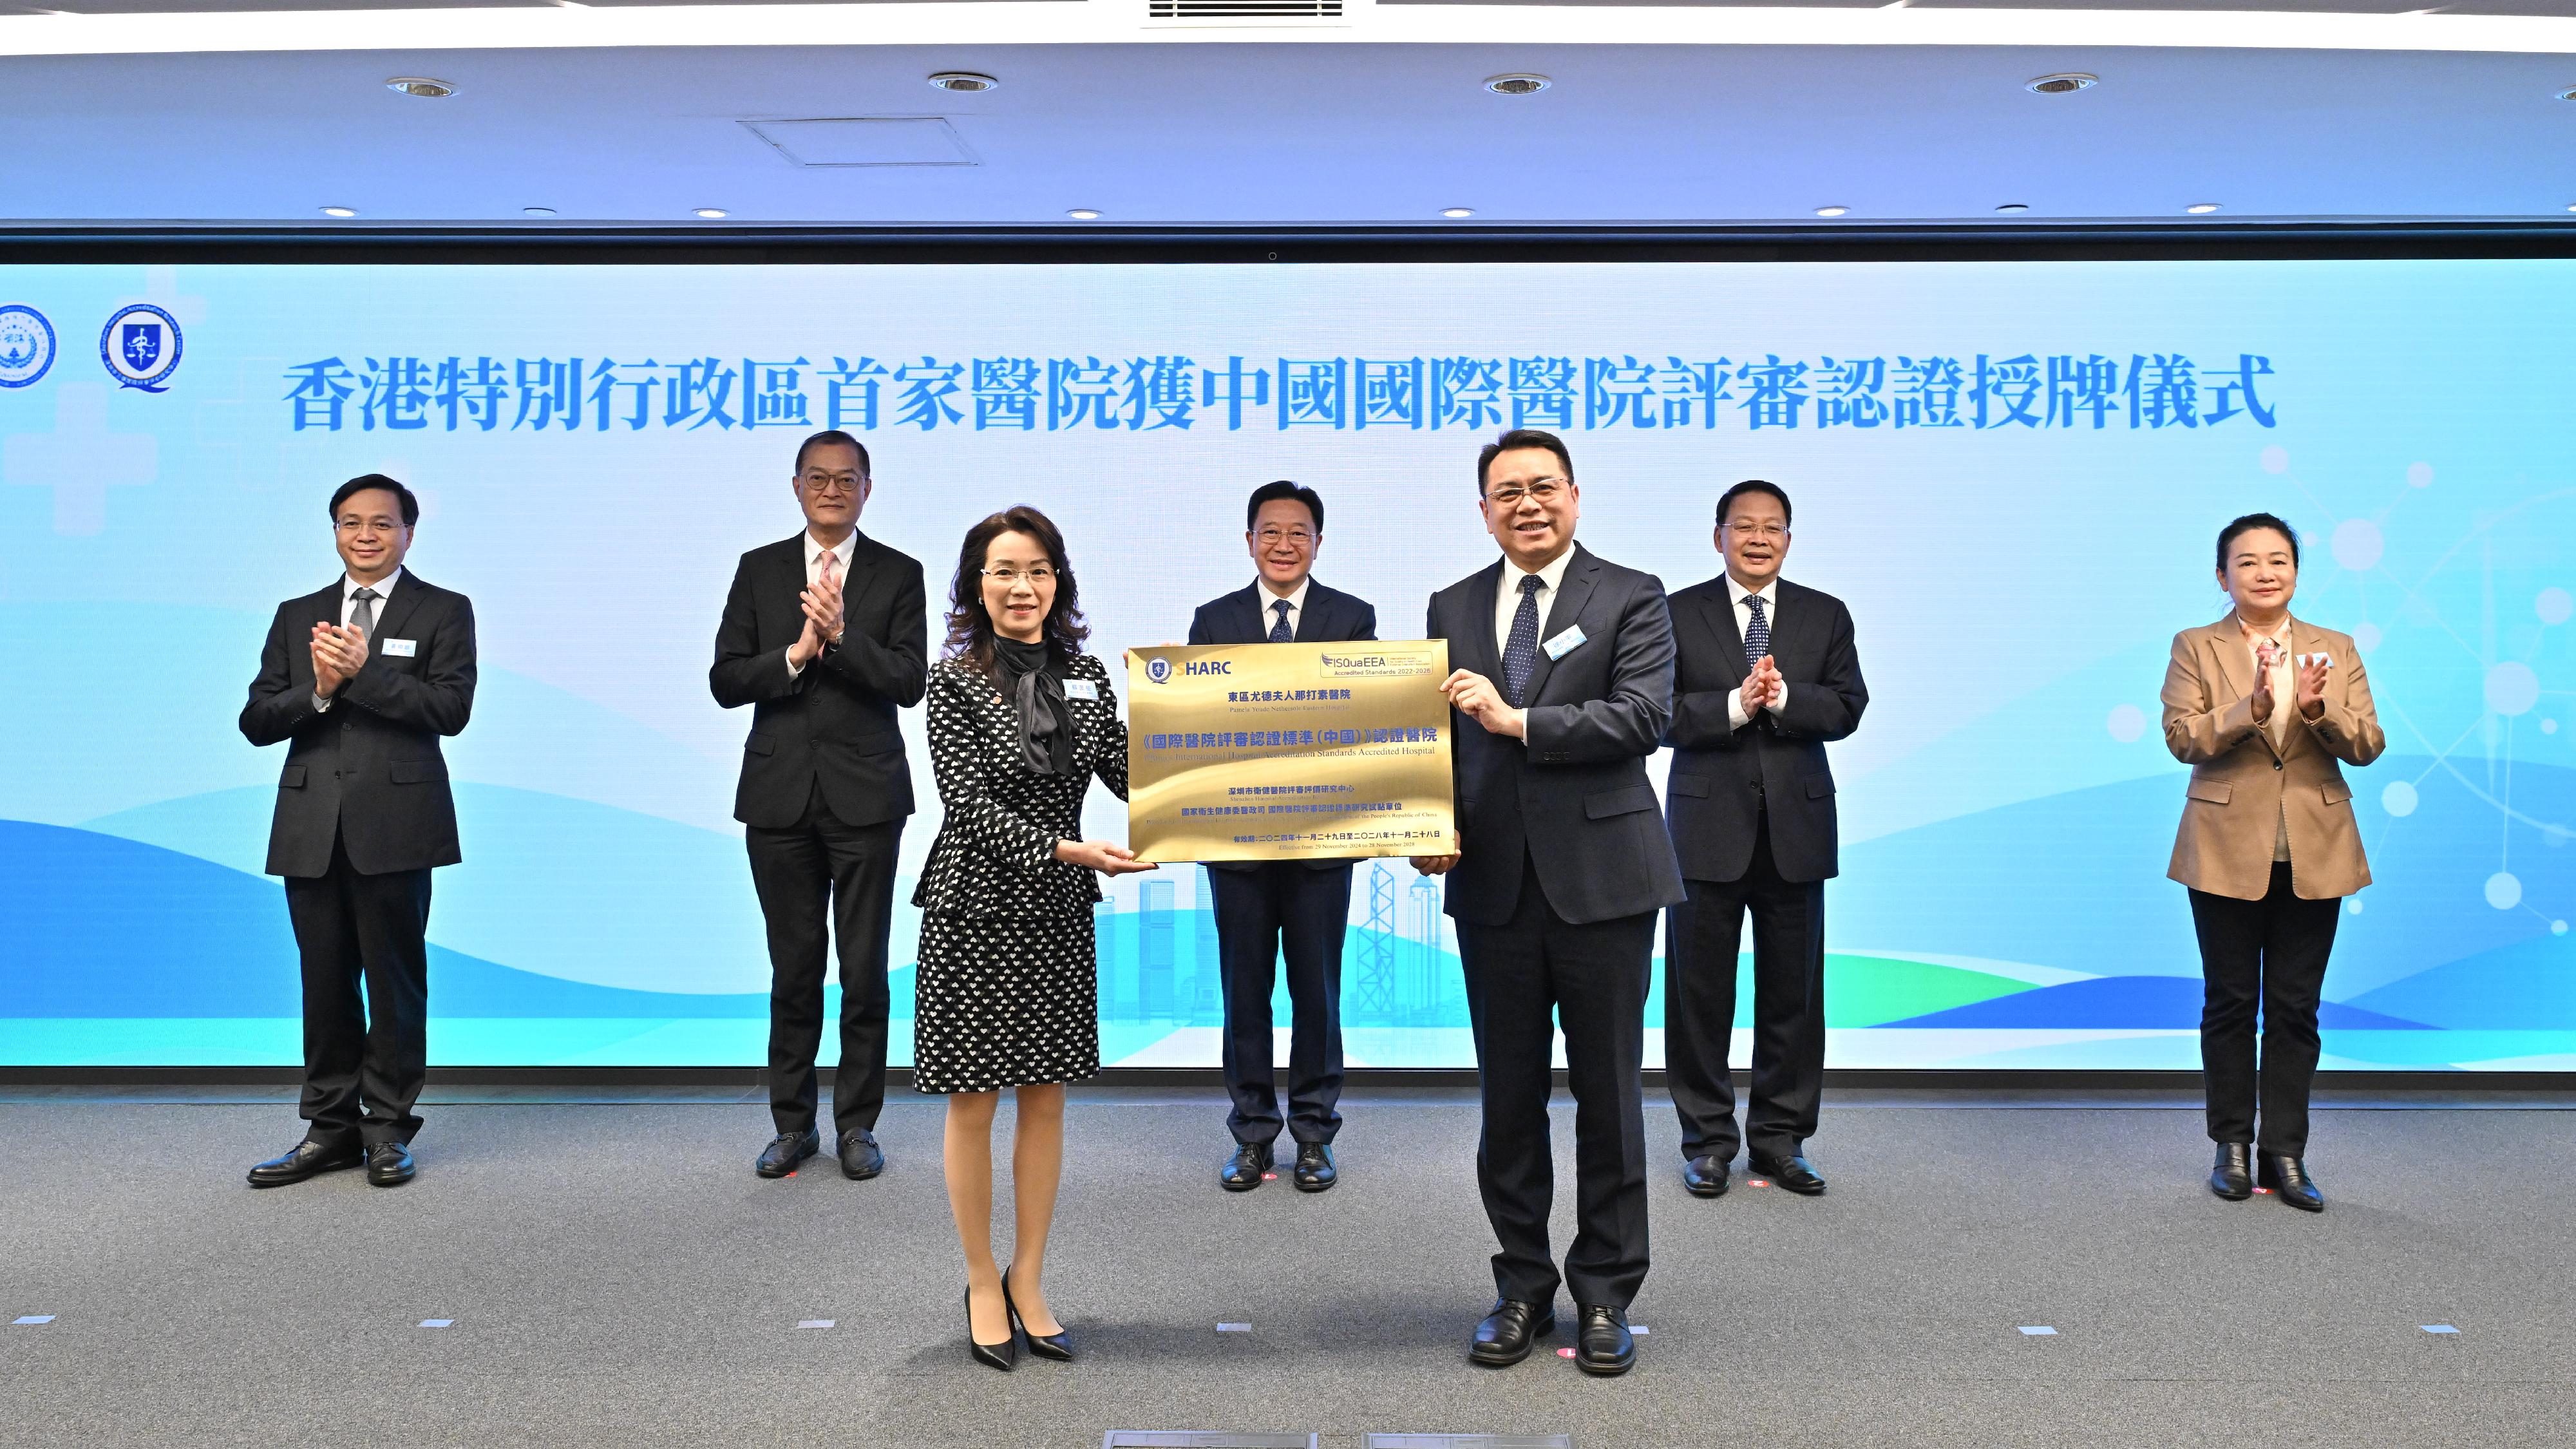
point(1772, 531)
point(1038, 577)
point(1271, 537)
point(1543, 491)
point(827, 484)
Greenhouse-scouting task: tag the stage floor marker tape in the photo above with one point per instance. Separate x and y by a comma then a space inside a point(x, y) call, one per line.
point(35, 1318)
point(816, 1322)
point(2428, 1328)
point(1234, 1328)
point(438, 1323)
point(2037, 1330)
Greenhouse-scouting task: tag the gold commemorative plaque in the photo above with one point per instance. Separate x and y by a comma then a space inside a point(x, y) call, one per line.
point(1289, 751)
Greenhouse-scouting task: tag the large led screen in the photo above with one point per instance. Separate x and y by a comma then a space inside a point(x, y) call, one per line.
point(2012, 472)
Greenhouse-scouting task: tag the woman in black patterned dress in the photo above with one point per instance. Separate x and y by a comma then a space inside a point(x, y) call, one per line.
point(1020, 722)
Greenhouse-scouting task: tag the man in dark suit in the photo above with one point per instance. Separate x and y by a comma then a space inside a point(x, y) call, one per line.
point(1563, 680)
point(1767, 676)
point(823, 636)
point(1266, 910)
point(360, 679)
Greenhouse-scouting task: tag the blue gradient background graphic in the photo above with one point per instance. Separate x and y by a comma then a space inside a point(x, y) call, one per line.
point(2007, 804)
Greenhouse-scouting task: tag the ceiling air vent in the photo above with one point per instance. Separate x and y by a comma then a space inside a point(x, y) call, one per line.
point(1240, 12)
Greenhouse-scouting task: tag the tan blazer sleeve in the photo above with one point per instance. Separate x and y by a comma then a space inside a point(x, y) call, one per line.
point(2349, 729)
point(2198, 728)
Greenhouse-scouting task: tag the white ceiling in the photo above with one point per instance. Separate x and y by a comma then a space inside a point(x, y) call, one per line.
point(1275, 128)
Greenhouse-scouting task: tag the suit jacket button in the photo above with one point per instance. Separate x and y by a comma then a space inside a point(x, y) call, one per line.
point(2276, 764)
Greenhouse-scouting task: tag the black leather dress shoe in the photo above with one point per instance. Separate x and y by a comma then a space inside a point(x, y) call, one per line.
point(389, 1165)
point(1242, 1171)
point(1603, 1345)
point(305, 1159)
point(1705, 1176)
point(1796, 1174)
point(2287, 1176)
point(1315, 1170)
point(1504, 1338)
point(786, 1150)
point(2232, 1175)
point(990, 1355)
point(861, 1158)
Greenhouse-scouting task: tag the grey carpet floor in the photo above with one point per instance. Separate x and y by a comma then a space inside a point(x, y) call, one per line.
point(617, 1276)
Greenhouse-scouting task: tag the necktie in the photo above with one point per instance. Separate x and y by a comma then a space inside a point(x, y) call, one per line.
point(363, 616)
point(1757, 634)
point(1280, 633)
point(1520, 651)
point(831, 567)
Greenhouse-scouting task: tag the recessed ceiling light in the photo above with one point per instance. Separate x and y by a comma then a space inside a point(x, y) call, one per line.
point(2014, 206)
point(339, 211)
point(539, 212)
point(1083, 213)
point(2201, 208)
point(421, 86)
point(1518, 83)
point(964, 81)
point(1457, 213)
point(2063, 83)
point(1833, 210)
point(710, 213)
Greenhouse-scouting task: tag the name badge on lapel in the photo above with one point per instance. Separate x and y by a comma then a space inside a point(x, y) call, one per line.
point(1082, 689)
point(401, 648)
point(1565, 643)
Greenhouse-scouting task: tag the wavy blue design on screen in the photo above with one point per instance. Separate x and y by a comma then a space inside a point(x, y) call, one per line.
point(2139, 1002)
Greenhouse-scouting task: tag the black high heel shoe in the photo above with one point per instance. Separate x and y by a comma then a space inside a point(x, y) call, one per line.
point(990, 1355)
point(1057, 1345)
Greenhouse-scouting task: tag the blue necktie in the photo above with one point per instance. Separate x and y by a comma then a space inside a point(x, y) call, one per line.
point(1520, 651)
point(1757, 634)
point(1280, 633)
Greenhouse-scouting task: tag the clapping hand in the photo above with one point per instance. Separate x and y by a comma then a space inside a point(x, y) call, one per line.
point(822, 604)
point(2312, 686)
point(1763, 687)
point(1102, 856)
point(2267, 657)
point(339, 652)
point(1475, 696)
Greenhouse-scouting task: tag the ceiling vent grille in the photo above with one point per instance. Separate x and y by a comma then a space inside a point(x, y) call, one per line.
point(1242, 11)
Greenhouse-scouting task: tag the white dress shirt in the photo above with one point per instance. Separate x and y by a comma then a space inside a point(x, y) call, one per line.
point(814, 552)
point(1769, 594)
point(1507, 598)
point(1270, 601)
point(349, 587)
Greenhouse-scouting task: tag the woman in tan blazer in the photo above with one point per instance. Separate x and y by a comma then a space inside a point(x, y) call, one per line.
point(2262, 706)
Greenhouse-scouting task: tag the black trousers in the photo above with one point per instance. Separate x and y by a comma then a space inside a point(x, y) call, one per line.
point(364, 1056)
point(2269, 954)
point(1701, 942)
point(815, 866)
point(1282, 909)
point(1592, 978)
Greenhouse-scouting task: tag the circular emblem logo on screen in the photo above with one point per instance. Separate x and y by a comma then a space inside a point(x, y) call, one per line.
point(141, 347)
point(1158, 670)
point(26, 345)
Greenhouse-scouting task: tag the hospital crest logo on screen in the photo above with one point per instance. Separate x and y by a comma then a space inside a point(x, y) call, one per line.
point(1158, 670)
point(26, 345)
point(141, 347)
